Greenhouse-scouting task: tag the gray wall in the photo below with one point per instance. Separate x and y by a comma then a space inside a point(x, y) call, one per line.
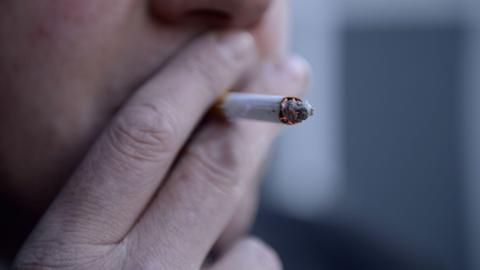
point(402, 138)
point(403, 126)
point(394, 151)
point(471, 114)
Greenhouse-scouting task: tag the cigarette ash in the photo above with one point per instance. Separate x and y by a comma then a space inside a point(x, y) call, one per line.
point(294, 110)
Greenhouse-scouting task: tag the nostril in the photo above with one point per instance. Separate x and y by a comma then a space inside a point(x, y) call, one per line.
point(216, 13)
point(209, 16)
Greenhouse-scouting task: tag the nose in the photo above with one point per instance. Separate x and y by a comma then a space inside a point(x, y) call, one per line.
point(238, 13)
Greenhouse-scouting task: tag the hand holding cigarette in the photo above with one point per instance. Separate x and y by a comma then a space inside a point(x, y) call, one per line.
point(138, 202)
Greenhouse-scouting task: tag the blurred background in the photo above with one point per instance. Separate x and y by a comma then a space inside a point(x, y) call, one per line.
point(387, 174)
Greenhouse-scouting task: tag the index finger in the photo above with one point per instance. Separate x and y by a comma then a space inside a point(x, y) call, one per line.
point(123, 170)
point(206, 185)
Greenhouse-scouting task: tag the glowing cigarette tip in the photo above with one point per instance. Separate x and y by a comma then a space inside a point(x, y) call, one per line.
point(275, 109)
point(294, 110)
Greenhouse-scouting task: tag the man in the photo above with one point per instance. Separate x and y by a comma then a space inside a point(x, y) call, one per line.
point(101, 109)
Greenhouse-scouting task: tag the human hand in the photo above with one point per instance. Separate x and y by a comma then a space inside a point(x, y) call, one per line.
point(142, 199)
point(67, 66)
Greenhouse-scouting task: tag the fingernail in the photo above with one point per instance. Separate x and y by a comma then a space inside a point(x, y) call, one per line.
point(299, 68)
point(237, 40)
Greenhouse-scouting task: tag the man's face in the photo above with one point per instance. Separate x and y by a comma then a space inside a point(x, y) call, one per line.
point(67, 65)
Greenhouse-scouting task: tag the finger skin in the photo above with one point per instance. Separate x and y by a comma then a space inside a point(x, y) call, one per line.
point(123, 170)
point(296, 79)
point(271, 35)
point(267, 81)
point(205, 188)
point(271, 32)
point(248, 254)
point(241, 220)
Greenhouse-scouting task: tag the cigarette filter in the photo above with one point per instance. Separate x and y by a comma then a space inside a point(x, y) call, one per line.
point(276, 109)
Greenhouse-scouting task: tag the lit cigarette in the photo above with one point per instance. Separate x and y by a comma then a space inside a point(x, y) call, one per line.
point(275, 109)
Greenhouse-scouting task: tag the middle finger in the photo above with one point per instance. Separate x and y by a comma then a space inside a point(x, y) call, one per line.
point(204, 189)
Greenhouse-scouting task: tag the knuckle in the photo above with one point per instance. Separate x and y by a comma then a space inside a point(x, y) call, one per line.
point(302, 75)
point(298, 74)
point(141, 256)
point(144, 132)
point(207, 74)
point(216, 64)
point(218, 164)
point(242, 51)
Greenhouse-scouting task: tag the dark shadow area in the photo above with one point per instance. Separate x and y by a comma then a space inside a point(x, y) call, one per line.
point(331, 246)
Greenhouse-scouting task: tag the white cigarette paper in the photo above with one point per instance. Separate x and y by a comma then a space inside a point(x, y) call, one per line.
point(276, 109)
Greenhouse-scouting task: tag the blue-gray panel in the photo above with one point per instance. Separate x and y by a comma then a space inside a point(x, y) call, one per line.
point(402, 92)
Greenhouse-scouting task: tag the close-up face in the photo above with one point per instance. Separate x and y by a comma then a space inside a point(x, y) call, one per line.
point(66, 66)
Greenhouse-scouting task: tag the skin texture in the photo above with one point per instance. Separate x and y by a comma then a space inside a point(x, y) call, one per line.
point(91, 92)
point(87, 58)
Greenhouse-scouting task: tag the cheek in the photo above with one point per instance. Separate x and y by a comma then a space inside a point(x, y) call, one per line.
point(67, 66)
point(69, 25)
